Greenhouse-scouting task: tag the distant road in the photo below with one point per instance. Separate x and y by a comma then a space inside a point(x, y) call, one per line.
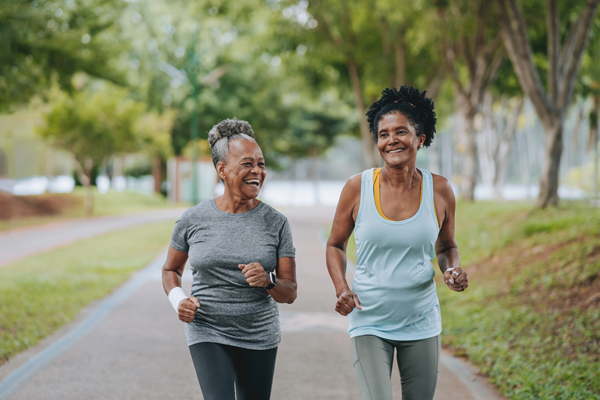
point(25, 242)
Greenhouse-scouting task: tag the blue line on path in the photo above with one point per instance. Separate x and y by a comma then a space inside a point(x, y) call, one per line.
point(32, 366)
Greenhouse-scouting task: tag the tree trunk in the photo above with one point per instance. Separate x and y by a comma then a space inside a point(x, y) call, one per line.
point(84, 173)
point(563, 68)
point(553, 147)
point(157, 173)
point(368, 160)
point(486, 134)
point(504, 148)
point(523, 152)
point(49, 167)
point(469, 167)
point(400, 53)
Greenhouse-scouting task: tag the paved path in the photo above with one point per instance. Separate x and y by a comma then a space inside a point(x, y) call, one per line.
point(131, 345)
point(24, 242)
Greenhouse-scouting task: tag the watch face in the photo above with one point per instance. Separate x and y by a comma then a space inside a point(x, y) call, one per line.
point(273, 278)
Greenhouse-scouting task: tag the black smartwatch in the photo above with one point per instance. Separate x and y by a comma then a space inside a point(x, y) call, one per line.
point(273, 280)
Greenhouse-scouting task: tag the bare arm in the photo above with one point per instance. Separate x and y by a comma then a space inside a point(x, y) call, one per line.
point(173, 269)
point(171, 278)
point(343, 224)
point(446, 248)
point(286, 289)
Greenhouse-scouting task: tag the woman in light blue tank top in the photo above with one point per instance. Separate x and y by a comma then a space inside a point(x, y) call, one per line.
point(402, 218)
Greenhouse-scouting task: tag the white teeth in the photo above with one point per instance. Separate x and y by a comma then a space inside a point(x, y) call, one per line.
point(251, 181)
point(395, 151)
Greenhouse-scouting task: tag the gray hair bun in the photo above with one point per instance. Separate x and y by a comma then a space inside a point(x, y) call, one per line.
point(228, 128)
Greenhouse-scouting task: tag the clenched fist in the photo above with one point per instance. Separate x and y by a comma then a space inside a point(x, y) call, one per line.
point(187, 309)
point(255, 274)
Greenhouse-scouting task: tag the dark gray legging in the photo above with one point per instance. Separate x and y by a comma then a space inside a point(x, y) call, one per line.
point(219, 366)
point(418, 362)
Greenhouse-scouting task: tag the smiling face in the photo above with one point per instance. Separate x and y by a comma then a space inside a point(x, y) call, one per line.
point(397, 139)
point(244, 172)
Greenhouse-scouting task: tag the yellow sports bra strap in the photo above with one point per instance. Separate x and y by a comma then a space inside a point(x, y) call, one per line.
point(376, 195)
point(376, 175)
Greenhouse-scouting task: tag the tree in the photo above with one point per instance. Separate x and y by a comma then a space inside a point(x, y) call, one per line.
point(472, 53)
point(564, 62)
point(494, 138)
point(93, 125)
point(361, 47)
point(153, 132)
point(313, 130)
point(41, 40)
point(589, 86)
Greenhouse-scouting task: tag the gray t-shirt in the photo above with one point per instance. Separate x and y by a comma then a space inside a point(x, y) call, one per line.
point(231, 311)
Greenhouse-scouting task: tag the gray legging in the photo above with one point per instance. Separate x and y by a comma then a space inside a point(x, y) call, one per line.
point(418, 362)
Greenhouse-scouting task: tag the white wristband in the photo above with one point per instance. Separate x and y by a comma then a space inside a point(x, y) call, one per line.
point(176, 296)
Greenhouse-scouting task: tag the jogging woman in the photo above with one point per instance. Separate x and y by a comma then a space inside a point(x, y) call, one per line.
point(242, 259)
point(402, 217)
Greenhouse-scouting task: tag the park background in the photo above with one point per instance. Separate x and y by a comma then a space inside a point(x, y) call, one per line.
point(105, 107)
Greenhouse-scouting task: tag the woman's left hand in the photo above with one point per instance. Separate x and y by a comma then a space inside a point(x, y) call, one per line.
point(456, 279)
point(255, 274)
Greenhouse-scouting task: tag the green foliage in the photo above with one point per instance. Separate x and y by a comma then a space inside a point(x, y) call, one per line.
point(92, 125)
point(153, 133)
point(42, 39)
point(42, 293)
point(314, 127)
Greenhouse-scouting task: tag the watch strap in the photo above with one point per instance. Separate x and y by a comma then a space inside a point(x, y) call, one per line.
point(273, 280)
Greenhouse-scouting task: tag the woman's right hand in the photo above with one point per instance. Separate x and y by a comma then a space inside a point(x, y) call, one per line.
point(346, 302)
point(187, 309)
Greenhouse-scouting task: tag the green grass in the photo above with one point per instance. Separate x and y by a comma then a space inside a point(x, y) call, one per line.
point(105, 204)
point(44, 292)
point(531, 316)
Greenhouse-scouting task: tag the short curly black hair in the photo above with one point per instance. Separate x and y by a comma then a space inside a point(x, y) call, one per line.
point(410, 102)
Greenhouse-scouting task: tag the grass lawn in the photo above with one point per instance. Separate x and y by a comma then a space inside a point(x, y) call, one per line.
point(531, 316)
point(111, 203)
point(44, 292)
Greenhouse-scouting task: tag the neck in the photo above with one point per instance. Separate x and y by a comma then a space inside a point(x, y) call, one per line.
point(401, 176)
point(233, 204)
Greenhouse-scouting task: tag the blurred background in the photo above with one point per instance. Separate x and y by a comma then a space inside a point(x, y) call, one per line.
point(105, 106)
point(118, 96)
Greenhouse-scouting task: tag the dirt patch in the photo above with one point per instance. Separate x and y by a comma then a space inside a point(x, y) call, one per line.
point(34, 206)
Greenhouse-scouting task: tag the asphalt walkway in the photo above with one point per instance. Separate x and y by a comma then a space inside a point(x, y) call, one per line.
point(132, 346)
point(24, 242)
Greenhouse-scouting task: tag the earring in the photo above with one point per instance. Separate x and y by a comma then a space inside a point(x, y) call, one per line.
point(421, 146)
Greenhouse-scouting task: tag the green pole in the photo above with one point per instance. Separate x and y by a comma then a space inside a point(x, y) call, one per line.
point(194, 129)
point(194, 138)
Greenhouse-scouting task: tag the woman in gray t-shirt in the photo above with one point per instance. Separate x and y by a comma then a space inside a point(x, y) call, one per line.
point(242, 259)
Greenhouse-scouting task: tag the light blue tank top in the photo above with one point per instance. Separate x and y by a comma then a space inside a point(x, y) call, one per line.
point(394, 274)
